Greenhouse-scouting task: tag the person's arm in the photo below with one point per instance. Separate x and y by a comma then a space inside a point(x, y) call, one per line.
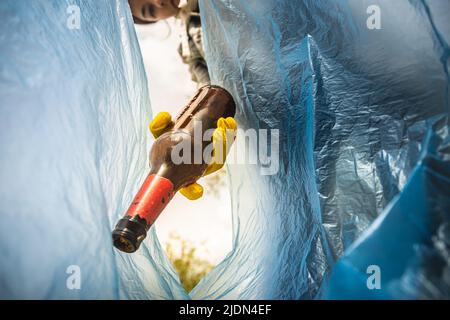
point(197, 65)
point(199, 71)
point(191, 51)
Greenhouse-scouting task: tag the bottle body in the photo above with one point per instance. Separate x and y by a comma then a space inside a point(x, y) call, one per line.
point(176, 160)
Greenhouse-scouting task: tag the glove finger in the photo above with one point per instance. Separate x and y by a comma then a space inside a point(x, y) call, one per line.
point(193, 191)
point(219, 145)
point(160, 124)
point(219, 152)
point(213, 167)
point(230, 127)
point(231, 123)
point(223, 138)
point(221, 123)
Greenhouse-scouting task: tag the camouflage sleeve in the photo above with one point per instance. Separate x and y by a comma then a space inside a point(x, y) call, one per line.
point(192, 54)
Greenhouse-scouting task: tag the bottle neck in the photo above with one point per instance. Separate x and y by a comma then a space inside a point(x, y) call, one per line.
point(153, 196)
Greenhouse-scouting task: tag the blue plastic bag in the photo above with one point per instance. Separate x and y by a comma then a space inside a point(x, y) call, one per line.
point(362, 120)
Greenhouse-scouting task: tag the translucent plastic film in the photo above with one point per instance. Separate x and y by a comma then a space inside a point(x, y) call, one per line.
point(353, 86)
point(358, 107)
point(74, 110)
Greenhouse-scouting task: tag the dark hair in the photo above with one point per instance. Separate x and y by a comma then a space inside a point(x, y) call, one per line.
point(140, 21)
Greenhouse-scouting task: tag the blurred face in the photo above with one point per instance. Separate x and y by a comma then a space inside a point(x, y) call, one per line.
point(154, 10)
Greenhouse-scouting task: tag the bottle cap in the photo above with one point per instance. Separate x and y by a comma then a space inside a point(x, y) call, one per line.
point(129, 233)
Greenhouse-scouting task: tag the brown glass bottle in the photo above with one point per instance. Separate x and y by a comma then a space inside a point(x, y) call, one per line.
point(167, 176)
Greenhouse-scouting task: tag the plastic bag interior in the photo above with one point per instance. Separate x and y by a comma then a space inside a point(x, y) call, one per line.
point(363, 154)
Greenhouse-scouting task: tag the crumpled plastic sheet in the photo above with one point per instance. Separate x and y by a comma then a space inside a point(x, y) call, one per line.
point(74, 110)
point(408, 246)
point(363, 124)
point(353, 106)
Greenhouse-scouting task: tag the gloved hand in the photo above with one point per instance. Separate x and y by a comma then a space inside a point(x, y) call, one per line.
point(162, 123)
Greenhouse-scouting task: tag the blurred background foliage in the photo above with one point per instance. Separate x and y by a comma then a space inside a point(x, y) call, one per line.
point(184, 257)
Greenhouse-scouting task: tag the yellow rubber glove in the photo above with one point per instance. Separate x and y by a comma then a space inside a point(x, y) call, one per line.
point(225, 126)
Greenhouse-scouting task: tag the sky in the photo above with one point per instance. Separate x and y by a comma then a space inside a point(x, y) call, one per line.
point(205, 222)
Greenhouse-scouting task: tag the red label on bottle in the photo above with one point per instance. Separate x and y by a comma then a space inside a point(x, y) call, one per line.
point(152, 198)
